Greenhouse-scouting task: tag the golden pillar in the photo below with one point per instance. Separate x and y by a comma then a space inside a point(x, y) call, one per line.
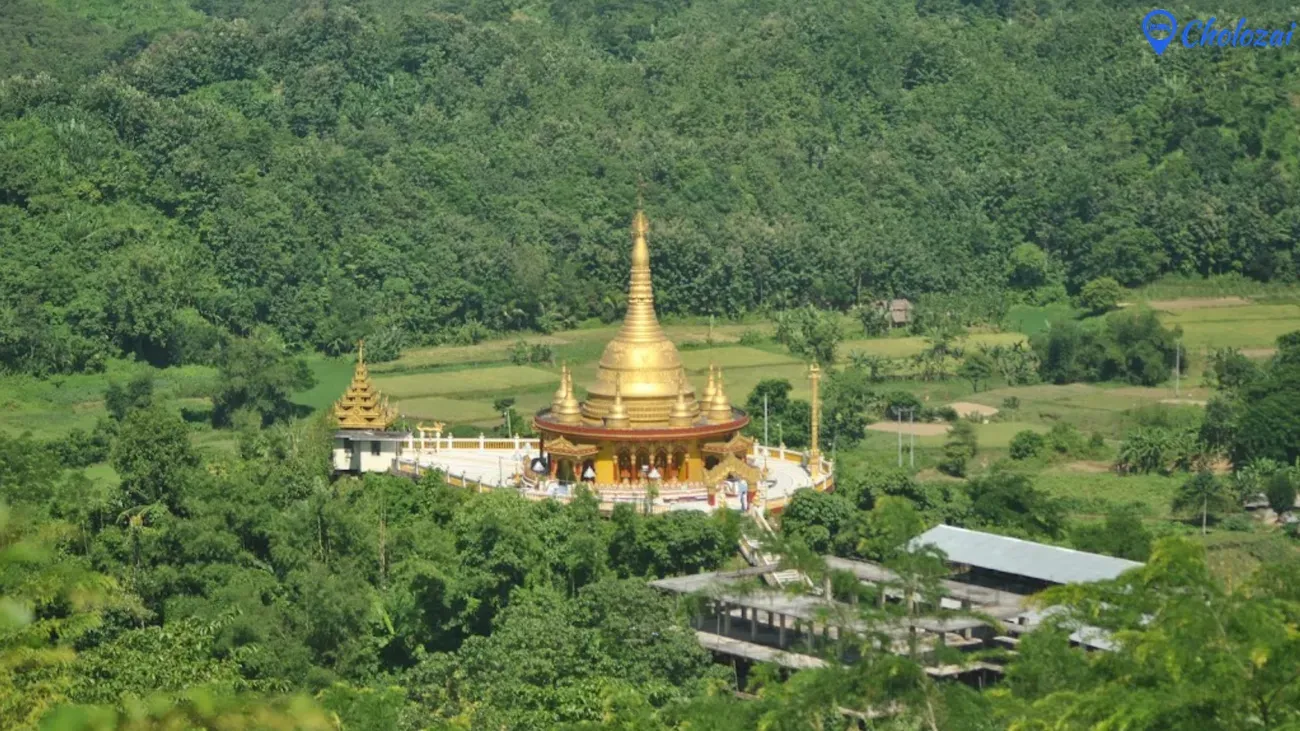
point(814, 454)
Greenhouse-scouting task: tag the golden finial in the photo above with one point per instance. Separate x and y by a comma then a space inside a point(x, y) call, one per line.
point(558, 398)
point(719, 406)
point(681, 413)
point(618, 417)
point(709, 389)
point(567, 411)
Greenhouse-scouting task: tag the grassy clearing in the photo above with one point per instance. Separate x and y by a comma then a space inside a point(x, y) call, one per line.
point(736, 357)
point(1176, 287)
point(902, 347)
point(54, 406)
point(1234, 555)
point(332, 378)
point(1247, 326)
point(1097, 492)
point(500, 379)
point(441, 408)
point(1033, 320)
point(104, 474)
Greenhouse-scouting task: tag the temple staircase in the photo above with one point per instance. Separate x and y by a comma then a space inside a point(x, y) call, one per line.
point(751, 547)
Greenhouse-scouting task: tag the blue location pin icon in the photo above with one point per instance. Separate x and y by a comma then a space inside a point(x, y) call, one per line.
point(1159, 22)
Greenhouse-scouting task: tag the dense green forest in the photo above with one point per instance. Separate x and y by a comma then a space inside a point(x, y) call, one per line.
point(250, 591)
point(173, 172)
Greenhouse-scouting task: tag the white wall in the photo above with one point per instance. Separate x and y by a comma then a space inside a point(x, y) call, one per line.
point(360, 458)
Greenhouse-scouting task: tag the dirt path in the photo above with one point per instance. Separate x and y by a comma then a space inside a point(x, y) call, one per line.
point(920, 429)
point(965, 409)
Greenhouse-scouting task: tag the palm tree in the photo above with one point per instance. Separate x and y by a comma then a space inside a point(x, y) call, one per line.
point(1202, 491)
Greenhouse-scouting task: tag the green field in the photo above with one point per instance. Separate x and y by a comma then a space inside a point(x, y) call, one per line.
point(458, 385)
point(498, 379)
point(902, 347)
point(1247, 326)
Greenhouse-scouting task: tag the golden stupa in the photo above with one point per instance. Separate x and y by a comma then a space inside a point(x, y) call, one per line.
point(362, 406)
point(640, 358)
point(641, 420)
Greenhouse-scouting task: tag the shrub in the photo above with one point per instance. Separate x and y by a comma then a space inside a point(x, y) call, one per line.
point(959, 449)
point(1064, 439)
point(1239, 522)
point(1027, 444)
point(1100, 296)
point(752, 337)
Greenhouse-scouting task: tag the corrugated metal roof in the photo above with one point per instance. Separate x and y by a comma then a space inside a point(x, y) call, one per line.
point(1023, 558)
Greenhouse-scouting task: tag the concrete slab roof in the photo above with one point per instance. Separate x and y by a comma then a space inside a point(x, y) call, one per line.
point(1023, 558)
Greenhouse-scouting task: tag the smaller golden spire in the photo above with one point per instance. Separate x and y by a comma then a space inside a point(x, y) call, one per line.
point(560, 392)
point(709, 390)
point(618, 418)
point(568, 411)
point(681, 412)
point(719, 406)
point(362, 407)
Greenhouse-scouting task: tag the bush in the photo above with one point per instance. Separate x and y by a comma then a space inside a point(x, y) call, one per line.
point(939, 413)
point(1281, 492)
point(1100, 296)
point(1027, 444)
point(752, 337)
point(959, 449)
point(523, 353)
point(1238, 522)
point(1064, 439)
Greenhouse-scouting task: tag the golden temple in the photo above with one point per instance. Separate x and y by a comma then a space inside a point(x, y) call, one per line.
point(642, 420)
point(362, 406)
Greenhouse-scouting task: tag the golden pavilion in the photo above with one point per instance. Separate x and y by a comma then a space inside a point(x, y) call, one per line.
point(643, 420)
point(363, 442)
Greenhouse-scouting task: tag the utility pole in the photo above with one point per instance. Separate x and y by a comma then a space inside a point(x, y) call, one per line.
point(911, 420)
point(898, 416)
point(1178, 366)
point(814, 454)
point(765, 439)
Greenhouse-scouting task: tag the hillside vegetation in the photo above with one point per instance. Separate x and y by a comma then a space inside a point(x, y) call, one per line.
point(421, 173)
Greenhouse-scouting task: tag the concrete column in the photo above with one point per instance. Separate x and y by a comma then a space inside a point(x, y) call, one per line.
point(717, 619)
point(726, 619)
point(780, 632)
point(753, 624)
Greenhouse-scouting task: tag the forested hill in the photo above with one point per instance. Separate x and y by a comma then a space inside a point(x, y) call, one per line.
point(171, 172)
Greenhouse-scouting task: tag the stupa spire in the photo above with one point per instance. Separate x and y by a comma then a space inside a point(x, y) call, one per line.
point(618, 417)
point(719, 405)
point(567, 410)
point(709, 389)
point(640, 324)
point(681, 414)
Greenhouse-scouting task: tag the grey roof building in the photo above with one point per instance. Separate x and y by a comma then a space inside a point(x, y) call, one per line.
point(1019, 558)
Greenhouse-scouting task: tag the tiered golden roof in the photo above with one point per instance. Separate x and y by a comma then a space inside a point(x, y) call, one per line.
point(362, 407)
point(640, 360)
